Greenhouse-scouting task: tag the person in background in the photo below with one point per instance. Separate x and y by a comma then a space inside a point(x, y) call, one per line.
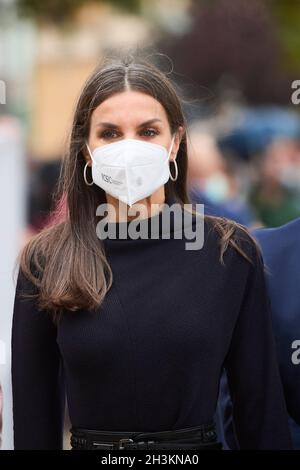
point(43, 177)
point(281, 252)
point(43, 180)
point(275, 197)
point(212, 182)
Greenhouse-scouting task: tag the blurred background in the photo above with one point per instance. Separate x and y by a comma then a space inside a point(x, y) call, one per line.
point(237, 64)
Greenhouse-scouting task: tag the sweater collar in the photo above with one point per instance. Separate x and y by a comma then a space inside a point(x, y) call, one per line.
point(169, 220)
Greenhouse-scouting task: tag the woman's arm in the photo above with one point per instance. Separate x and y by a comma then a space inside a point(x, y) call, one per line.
point(37, 379)
point(259, 410)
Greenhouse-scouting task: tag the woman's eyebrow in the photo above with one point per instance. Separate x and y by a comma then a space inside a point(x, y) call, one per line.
point(115, 126)
point(150, 121)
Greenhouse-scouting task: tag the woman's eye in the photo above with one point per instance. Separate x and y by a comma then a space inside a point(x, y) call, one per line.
point(109, 134)
point(153, 131)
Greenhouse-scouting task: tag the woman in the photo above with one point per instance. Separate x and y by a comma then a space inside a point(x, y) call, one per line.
point(138, 330)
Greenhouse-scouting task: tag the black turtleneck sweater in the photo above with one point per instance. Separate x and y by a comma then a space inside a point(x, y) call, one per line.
point(150, 357)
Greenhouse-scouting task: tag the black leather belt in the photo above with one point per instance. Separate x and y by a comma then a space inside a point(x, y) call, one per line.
point(203, 437)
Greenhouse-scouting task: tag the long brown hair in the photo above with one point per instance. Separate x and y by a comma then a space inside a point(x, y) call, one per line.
point(66, 260)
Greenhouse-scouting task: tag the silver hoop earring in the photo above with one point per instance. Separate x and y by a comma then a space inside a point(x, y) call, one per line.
point(84, 176)
point(176, 171)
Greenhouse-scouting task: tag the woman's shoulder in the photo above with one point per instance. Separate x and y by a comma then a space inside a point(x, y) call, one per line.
point(232, 239)
point(33, 257)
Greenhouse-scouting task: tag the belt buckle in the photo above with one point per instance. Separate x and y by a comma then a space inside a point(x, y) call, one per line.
point(123, 440)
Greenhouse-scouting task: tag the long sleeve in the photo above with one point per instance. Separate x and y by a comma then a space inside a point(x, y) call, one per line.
point(259, 411)
point(37, 379)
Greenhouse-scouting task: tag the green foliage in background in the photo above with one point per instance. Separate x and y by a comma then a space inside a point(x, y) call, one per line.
point(286, 15)
point(58, 11)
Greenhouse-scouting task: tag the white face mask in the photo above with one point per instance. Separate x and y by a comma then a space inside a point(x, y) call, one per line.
point(216, 187)
point(130, 169)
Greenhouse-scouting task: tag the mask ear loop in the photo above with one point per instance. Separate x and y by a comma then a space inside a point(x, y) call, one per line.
point(171, 146)
point(173, 178)
point(85, 167)
point(89, 150)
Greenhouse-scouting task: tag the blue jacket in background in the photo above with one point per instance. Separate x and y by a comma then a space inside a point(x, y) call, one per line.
point(281, 252)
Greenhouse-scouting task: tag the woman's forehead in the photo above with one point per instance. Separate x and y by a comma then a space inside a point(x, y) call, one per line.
point(129, 106)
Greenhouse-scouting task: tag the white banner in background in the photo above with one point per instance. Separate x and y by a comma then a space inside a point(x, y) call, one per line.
point(12, 222)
